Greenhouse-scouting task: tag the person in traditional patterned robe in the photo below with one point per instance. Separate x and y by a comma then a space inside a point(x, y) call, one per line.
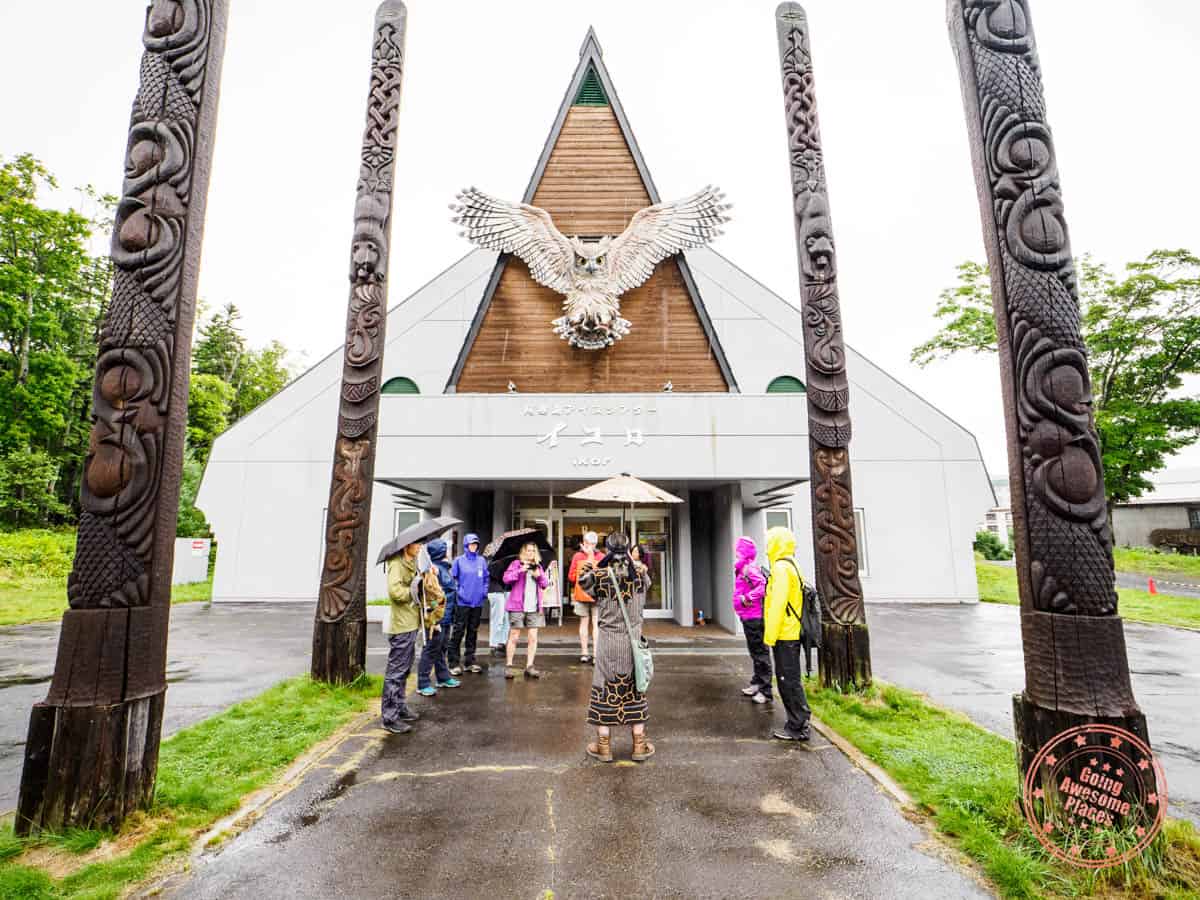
point(615, 699)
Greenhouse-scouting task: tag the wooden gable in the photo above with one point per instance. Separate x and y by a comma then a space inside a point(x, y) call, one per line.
point(592, 184)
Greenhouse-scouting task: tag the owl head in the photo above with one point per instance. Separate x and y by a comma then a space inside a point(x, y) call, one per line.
point(591, 256)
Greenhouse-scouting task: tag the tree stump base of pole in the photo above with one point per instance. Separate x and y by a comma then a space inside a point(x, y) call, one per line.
point(1035, 726)
point(844, 660)
point(339, 652)
point(89, 766)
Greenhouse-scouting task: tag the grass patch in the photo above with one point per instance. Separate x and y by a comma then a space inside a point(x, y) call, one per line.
point(966, 779)
point(998, 584)
point(24, 600)
point(1148, 561)
point(203, 774)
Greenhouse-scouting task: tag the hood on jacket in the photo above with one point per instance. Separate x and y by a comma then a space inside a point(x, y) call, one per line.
point(436, 550)
point(468, 541)
point(781, 544)
point(746, 551)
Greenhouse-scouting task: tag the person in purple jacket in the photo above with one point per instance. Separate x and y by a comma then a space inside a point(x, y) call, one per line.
point(525, 579)
point(470, 571)
point(749, 586)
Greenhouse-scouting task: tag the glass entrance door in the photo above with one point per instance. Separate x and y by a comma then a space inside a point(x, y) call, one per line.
point(653, 530)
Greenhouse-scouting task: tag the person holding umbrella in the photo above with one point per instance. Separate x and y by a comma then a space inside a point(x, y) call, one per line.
point(525, 578)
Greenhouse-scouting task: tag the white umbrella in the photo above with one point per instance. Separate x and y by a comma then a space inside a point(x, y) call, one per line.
point(624, 488)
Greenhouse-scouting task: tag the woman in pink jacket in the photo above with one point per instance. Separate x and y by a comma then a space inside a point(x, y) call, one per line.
point(525, 579)
point(749, 586)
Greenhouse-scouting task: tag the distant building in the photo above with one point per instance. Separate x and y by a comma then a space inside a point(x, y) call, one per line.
point(1173, 505)
point(998, 520)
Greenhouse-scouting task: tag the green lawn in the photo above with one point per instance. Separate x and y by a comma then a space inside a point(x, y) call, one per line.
point(34, 565)
point(965, 778)
point(203, 774)
point(1146, 561)
point(998, 584)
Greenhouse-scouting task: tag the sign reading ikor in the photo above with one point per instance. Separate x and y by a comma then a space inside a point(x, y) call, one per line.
point(1095, 796)
point(592, 273)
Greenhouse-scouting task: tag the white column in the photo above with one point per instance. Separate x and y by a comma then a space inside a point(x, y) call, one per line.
point(682, 537)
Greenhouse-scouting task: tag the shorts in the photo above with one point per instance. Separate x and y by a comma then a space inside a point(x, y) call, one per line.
point(583, 610)
point(526, 620)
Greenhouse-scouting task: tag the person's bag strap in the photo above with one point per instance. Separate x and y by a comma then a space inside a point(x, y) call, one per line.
point(620, 601)
point(791, 609)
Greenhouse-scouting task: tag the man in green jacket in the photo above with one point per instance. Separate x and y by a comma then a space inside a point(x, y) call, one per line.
point(404, 618)
point(781, 626)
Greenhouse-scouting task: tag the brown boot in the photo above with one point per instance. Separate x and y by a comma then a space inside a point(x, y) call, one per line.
point(601, 748)
point(642, 748)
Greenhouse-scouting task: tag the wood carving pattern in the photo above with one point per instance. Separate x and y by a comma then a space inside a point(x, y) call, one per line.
point(834, 535)
point(1062, 500)
point(343, 577)
point(131, 397)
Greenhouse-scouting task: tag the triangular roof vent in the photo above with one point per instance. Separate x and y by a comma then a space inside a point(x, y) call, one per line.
point(591, 92)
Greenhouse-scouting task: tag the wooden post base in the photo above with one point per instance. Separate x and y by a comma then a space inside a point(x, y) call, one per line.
point(339, 654)
point(89, 766)
point(844, 661)
point(1034, 726)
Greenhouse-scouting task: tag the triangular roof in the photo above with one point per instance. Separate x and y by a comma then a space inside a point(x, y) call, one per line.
point(591, 60)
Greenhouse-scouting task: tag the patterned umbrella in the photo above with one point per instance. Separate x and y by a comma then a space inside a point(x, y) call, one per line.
point(502, 551)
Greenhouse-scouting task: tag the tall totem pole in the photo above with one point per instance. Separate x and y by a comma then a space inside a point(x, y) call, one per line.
point(340, 631)
point(92, 750)
point(845, 657)
point(1076, 670)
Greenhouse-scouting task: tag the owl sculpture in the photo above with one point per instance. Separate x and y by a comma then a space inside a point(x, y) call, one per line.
point(591, 273)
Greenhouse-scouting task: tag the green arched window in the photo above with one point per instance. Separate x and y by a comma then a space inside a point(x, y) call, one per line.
point(786, 384)
point(400, 386)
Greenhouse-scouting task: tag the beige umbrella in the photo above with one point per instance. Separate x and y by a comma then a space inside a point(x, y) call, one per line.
point(624, 488)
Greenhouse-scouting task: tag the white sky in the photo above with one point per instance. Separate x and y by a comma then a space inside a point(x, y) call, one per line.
point(701, 90)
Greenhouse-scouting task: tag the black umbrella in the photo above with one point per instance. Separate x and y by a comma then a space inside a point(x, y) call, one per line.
point(508, 546)
point(416, 534)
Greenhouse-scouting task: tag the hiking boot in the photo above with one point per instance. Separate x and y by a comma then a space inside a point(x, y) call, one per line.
point(751, 690)
point(456, 670)
point(427, 691)
point(450, 682)
point(531, 672)
point(642, 748)
point(408, 716)
point(510, 672)
point(760, 698)
point(601, 749)
point(400, 727)
point(474, 669)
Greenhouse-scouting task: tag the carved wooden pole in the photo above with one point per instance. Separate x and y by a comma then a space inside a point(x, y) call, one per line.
point(340, 630)
point(92, 750)
point(845, 657)
point(1076, 669)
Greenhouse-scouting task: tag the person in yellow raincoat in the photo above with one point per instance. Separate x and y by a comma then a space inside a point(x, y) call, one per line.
point(782, 608)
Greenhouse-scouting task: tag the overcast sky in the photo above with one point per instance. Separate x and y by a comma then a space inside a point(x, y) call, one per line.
point(699, 82)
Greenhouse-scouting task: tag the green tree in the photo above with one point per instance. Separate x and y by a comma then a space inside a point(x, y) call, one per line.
point(1142, 333)
point(52, 293)
point(209, 402)
point(27, 494)
point(990, 547)
point(191, 521)
point(261, 375)
point(220, 347)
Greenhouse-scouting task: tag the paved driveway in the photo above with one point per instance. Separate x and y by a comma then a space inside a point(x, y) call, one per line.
point(968, 657)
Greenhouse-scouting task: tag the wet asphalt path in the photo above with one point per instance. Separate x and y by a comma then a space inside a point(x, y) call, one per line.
point(968, 657)
point(492, 796)
point(216, 656)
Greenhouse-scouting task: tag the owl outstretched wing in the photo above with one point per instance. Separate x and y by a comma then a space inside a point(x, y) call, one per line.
point(659, 231)
point(518, 228)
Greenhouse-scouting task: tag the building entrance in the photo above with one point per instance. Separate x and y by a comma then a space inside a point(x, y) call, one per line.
point(651, 527)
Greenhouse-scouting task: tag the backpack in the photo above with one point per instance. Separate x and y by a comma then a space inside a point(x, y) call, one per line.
point(810, 611)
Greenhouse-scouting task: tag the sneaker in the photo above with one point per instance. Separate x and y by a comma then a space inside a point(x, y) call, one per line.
point(751, 690)
point(408, 716)
point(761, 698)
point(531, 672)
point(585, 659)
point(510, 673)
point(783, 734)
point(400, 727)
point(456, 670)
point(474, 669)
point(449, 683)
point(427, 691)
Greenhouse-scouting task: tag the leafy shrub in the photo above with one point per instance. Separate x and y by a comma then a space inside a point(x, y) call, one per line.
point(36, 553)
point(989, 545)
